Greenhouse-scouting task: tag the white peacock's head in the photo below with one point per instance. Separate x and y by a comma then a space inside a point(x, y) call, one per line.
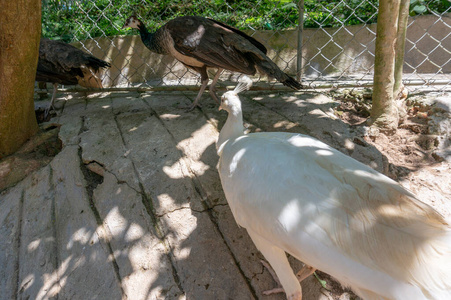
point(132, 22)
point(230, 100)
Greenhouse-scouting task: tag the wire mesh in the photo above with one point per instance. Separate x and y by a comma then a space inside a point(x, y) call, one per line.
point(336, 49)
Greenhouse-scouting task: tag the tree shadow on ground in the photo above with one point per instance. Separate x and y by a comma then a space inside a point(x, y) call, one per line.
point(156, 223)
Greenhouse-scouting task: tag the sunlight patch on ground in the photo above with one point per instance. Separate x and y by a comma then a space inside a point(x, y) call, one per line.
point(134, 233)
point(290, 99)
point(169, 116)
point(284, 124)
point(118, 191)
point(81, 235)
point(198, 140)
point(34, 245)
point(174, 171)
point(118, 226)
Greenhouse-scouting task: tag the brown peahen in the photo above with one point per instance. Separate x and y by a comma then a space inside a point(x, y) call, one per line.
point(200, 43)
point(65, 64)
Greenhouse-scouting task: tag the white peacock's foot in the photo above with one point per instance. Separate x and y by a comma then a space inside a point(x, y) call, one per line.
point(305, 272)
point(273, 291)
point(271, 271)
point(295, 296)
point(274, 276)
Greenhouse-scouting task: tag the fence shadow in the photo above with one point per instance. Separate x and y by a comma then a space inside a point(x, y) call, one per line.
point(156, 224)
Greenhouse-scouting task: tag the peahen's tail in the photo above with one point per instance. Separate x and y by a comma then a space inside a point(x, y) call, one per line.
point(95, 63)
point(268, 67)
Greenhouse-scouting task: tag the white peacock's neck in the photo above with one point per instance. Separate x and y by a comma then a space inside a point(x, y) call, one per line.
point(232, 128)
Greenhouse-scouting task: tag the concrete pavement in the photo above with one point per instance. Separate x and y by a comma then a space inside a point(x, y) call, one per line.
point(132, 207)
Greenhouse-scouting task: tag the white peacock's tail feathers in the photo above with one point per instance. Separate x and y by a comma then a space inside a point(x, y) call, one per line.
point(244, 83)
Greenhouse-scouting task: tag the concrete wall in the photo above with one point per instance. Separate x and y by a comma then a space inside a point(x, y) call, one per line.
point(327, 51)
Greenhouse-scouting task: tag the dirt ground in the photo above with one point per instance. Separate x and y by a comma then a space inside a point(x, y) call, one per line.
point(412, 153)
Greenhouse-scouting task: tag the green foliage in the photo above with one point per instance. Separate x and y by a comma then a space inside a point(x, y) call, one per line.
point(83, 19)
point(420, 7)
point(325, 13)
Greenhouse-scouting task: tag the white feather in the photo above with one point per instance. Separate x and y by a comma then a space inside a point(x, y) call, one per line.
point(244, 83)
point(295, 193)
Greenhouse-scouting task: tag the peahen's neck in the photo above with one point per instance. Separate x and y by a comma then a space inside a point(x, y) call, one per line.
point(149, 40)
point(232, 128)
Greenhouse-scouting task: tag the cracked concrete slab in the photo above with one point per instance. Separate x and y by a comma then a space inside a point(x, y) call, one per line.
point(101, 142)
point(84, 268)
point(38, 244)
point(131, 104)
point(196, 138)
point(72, 121)
point(140, 253)
point(133, 208)
point(10, 215)
point(157, 162)
point(203, 274)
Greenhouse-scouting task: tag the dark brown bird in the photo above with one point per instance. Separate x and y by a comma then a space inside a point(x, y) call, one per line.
point(201, 43)
point(65, 64)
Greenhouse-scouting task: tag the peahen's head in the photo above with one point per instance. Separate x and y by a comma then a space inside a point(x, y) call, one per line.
point(230, 101)
point(132, 22)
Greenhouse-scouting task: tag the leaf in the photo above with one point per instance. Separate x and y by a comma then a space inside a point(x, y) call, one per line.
point(289, 5)
point(322, 282)
point(420, 9)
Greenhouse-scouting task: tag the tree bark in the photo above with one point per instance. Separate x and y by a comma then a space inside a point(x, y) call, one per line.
point(20, 29)
point(400, 44)
point(384, 113)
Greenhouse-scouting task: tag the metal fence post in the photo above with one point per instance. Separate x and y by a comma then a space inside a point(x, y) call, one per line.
point(300, 33)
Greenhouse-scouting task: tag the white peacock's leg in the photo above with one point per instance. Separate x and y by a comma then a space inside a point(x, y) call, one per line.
point(278, 260)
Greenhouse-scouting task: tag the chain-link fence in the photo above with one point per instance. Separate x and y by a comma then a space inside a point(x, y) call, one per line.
point(326, 43)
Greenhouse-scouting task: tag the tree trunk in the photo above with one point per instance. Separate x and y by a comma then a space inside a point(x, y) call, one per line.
point(384, 113)
point(20, 32)
point(400, 45)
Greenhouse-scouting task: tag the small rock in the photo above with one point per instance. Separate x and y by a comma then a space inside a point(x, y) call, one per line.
point(96, 168)
point(443, 103)
point(442, 154)
point(345, 296)
point(371, 131)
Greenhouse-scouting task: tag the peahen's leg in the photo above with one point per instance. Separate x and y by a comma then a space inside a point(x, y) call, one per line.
point(204, 81)
point(212, 87)
point(278, 260)
point(55, 89)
